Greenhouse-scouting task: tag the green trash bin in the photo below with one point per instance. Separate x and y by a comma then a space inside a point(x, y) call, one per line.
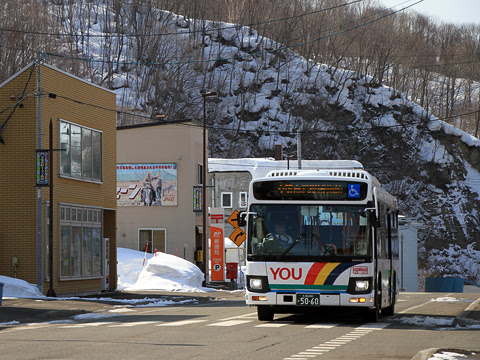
point(1, 292)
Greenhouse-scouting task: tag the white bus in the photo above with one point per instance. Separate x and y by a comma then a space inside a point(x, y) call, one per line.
point(318, 238)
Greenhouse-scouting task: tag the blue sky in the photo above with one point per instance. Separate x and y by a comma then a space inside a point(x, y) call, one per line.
point(452, 11)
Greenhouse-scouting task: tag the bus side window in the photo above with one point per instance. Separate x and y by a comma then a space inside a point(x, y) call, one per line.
point(382, 233)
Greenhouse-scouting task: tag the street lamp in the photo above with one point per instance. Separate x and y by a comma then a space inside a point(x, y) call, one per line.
point(205, 94)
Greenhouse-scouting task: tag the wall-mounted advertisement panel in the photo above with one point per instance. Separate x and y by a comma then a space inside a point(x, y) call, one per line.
point(147, 184)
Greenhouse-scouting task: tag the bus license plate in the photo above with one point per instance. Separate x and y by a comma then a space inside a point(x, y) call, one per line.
point(308, 300)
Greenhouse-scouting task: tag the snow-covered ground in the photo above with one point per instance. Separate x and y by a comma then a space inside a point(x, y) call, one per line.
point(163, 272)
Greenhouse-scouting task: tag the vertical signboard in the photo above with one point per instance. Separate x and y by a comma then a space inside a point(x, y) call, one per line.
point(216, 244)
point(197, 198)
point(42, 168)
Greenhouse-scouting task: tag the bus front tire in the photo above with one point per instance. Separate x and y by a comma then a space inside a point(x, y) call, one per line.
point(265, 313)
point(390, 310)
point(374, 314)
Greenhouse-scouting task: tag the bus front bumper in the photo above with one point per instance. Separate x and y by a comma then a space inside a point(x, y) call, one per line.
point(309, 299)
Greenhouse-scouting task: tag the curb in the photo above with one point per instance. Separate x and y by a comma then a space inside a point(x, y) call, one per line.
point(425, 354)
point(463, 320)
point(52, 315)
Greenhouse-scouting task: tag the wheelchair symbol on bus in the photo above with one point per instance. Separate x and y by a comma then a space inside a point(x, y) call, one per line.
point(354, 190)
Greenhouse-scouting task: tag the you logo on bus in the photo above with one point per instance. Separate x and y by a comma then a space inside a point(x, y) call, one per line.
point(286, 273)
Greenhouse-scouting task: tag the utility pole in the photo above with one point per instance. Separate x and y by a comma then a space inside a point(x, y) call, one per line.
point(478, 122)
point(299, 148)
point(205, 94)
point(39, 189)
point(50, 292)
point(45, 178)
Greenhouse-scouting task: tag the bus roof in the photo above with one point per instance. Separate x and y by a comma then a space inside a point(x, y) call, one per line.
point(348, 173)
point(349, 168)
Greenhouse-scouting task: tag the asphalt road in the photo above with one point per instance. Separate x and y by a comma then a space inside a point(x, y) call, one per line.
point(226, 328)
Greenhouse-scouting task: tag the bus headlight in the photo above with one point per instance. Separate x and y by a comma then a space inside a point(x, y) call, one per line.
point(361, 285)
point(256, 284)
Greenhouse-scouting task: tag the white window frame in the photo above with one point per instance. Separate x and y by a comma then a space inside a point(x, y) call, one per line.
point(242, 203)
point(226, 206)
point(93, 164)
point(152, 250)
point(93, 219)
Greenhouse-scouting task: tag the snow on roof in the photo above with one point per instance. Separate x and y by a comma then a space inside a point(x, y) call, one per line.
point(260, 167)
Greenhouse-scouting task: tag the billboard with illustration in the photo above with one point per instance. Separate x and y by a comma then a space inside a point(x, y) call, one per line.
point(147, 184)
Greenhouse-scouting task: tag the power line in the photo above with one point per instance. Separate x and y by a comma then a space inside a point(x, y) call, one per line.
point(236, 26)
point(14, 106)
point(236, 56)
point(272, 131)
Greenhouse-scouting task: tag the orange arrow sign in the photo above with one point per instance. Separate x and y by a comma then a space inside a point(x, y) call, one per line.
point(238, 236)
point(233, 219)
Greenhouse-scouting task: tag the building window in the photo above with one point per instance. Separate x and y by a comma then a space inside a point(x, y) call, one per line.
point(242, 200)
point(226, 200)
point(81, 155)
point(156, 239)
point(80, 242)
point(199, 174)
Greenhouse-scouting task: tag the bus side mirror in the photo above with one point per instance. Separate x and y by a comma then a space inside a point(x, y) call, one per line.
point(373, 219)
point(241, 219)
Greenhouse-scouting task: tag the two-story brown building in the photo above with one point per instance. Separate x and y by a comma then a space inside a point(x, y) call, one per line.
point(81, 237)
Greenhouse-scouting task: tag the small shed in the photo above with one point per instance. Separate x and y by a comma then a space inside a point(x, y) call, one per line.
point(408, 268)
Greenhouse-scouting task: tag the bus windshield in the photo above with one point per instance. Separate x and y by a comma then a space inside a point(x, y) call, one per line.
point(308, 232)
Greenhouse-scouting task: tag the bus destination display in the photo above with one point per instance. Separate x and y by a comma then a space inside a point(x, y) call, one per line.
point(309, 190)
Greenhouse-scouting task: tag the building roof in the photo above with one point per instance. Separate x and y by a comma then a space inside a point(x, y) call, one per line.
point(60, 71)
point(155, 123)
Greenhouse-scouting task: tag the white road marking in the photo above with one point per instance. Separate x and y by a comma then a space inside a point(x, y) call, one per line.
point(131, 324)
point(414, 307)
point(374, 326)
point(87, 325)
point(181, 322)
point(321, 326)
point(271, 325)
point(339, 341)
point(230, 323)
point(251, 315)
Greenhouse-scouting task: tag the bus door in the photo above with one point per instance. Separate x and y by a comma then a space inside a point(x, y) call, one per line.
point(389, 216)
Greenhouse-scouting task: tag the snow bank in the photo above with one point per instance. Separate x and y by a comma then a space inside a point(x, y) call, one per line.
point(19, 288)
point(163, 272)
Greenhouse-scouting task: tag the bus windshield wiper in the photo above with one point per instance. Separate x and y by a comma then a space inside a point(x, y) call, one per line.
point(290, 247)
point(327, 248)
